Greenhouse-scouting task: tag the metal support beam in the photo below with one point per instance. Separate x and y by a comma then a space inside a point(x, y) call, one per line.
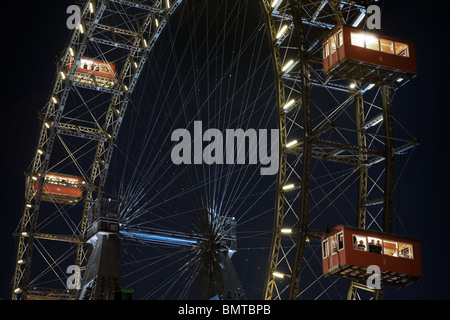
point(160, 238)
point(54, 237)
point(82, 132)
point(307, 151)
point(138, 5)
point(361, 206)
point(390, 160)
point(281, 176)
point(363, 170)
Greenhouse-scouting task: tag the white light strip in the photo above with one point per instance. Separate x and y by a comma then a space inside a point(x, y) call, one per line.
point(281, 32)
point(275, 3)
point(291, 144)
point(287, 65)
point(360, 18)
point(288, 187)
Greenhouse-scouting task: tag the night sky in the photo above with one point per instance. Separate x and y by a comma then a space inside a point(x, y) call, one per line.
point(37, 33)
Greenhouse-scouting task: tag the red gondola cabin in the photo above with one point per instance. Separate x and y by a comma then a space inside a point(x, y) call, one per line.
point(94, 72)
point(61, 188)
point(368, 57)
point(347, 252)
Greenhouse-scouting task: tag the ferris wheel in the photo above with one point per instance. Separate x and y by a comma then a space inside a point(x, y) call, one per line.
point(95, 197)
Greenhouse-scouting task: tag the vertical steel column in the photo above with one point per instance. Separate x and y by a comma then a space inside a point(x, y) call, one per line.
point(102, 278)
point(390, 160)
point(363, 170)
point(388, 210)
point(307, 151)
point(281, 179)
point(363, 175)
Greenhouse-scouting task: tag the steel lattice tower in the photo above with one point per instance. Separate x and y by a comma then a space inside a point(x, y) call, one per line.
point(119, 31)
point(313, 134)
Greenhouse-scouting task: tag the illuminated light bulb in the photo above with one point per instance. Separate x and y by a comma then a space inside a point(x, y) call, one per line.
point(168, 4)
point(71, 52)
point(291, 144)
point(81, 28)
point(278, 275)
point(17, 290)
point(360, 18)
point(281, 32)
point(287, 65)
point(54, 100)
point(352, 85)
point(157, 23)
point(286, 230)
point(20, 261)
point(275, 3)
point(288, 104)
point(91, 7)
point(145, 43)
point(25, 234)
point(63, 76)
point(288, 187)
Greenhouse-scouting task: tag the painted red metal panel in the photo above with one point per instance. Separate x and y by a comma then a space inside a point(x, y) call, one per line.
point(58, 189)
point(62, 190)
point(334, 260)
point(332, 59)
point(350, 255)
point(365, 55)
point(110, 74)
point(337, 258)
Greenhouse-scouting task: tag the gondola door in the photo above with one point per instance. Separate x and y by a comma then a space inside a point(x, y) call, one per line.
point(329, 253)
